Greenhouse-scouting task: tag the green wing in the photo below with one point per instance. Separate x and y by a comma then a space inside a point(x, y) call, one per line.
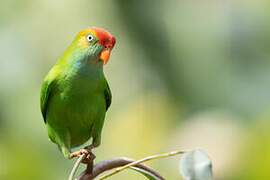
point(46, 91)
point(108, 95)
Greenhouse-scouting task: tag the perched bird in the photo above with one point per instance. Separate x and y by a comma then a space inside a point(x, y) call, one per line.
point(75, 94)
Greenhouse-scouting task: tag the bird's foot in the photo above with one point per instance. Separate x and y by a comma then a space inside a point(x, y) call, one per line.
point(89, 156)
point(78, 153)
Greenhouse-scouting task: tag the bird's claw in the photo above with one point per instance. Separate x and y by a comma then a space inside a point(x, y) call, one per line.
point(89, 156)
point(79, 153)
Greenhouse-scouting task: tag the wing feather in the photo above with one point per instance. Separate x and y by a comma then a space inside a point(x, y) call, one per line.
point(45, 94)
point(108, 95)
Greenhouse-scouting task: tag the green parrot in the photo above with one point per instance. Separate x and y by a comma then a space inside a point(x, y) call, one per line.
point(75, 94)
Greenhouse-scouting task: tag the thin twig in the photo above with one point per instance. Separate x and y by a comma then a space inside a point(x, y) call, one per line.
point(112, 163)
point(141, 161)
point(76, 165)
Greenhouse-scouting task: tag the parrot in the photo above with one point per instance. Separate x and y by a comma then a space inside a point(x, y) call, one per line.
point(75, 94)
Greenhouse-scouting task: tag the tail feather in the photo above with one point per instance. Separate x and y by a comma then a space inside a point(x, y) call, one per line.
point(65, 151)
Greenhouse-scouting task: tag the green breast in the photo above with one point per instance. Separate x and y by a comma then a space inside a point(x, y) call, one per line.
point(77, 104)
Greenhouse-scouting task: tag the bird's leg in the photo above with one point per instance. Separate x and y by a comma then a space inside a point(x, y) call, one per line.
point(90, 147)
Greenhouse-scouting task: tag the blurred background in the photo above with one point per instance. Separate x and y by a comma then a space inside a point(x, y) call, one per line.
point(184, 74)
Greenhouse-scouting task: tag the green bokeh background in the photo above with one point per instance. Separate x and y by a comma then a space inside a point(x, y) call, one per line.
point(184, 74)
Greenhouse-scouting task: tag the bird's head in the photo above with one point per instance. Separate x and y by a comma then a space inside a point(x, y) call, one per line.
point(95, 43)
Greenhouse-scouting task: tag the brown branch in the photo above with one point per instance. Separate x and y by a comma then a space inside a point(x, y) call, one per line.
point(158, 156)
point(108, 164)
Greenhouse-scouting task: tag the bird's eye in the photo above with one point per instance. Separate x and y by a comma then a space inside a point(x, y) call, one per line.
point(90, 37)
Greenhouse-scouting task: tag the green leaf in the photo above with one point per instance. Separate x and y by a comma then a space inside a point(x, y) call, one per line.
point(147, 174)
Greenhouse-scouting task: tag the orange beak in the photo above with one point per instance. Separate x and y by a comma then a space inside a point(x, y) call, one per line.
point(105, 55)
